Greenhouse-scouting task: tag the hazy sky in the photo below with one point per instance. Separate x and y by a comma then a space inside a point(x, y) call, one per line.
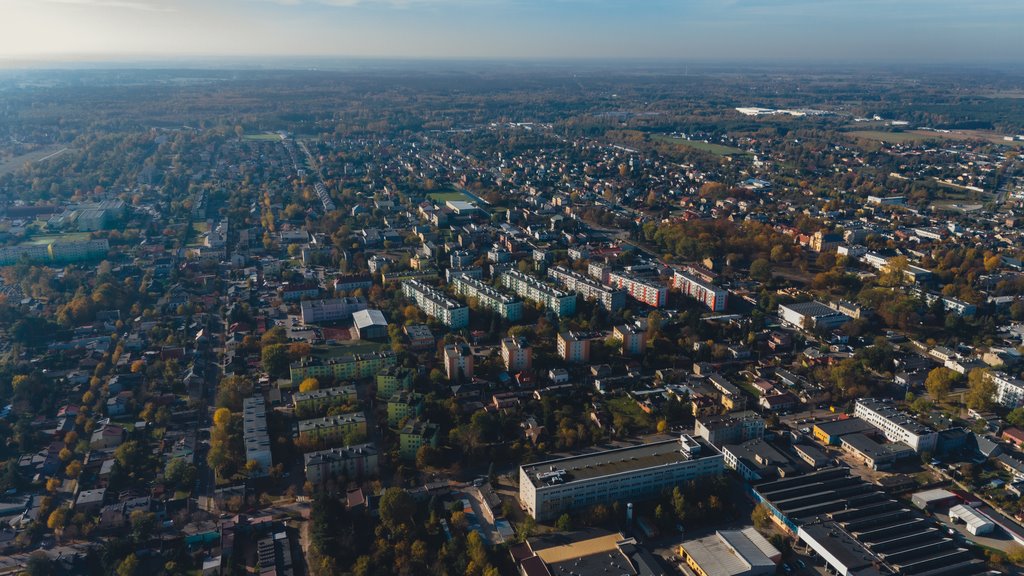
point(978, 31)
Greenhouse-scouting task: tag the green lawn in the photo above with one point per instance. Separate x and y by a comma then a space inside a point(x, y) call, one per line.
point(446, 196)
point(273, 137)
point(716, 149)
point(69, 237)
point(635, 418)
point(891, 137)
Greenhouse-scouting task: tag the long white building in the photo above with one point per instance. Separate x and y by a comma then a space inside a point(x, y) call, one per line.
point(897, 426)
point(504, 305)
point(435, 304)
point(254, 433)
point(530, 288)
point(611, 299)
point(707, 293)
point(1009, 390)
point(547, 489)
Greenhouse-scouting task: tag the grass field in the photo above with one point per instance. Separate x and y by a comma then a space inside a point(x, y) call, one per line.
point(716, 149)
point(16, 162)
point(914, 136)
point(273, 137)
point(71, 236)
point(446, 196)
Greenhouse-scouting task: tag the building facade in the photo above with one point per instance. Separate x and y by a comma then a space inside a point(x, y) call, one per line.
point(254, 434)
point(458, 361)
point(714, 297)
point(358, 461)
point(530, 288)
point(350, 367)
point(611, 299)
point(897, 426)
point(503, 305)
point(331, 310)
point(547, 489)
point(435, 304)
point(643, 290)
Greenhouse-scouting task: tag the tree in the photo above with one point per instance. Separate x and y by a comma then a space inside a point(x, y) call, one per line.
point(221, 417)
point(564, 523)
point(396, 508)
point(1016, 417)
point(275, 359)
point(129, 566)
point(939, 382)
point(981, 390)
point(309, 384)
point(761, 517)
point(761, 270)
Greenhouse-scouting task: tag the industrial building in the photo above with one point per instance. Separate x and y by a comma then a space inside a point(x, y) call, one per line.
point(546, 489)
point(858, 530)
point(370, 324)
point(730, 553)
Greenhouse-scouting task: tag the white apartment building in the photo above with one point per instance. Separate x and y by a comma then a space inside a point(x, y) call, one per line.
point(435, 304)
point(1009, 390)
point(547, 489)
point(504, 305)
point(530, 288)
point(897, 426)
point(611, 299)
point(714, 297)
point(254, 434)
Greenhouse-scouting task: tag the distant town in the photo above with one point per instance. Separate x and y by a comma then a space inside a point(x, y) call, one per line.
point(485, 322)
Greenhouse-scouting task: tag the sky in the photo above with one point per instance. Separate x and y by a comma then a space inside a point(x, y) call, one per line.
point(855, 31)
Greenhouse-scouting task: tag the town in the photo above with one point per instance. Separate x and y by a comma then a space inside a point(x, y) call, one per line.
point(500, 322)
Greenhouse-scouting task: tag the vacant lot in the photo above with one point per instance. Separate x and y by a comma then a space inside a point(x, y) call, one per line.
point(273, 137)
point(16, 162)
point(446, 196)
point(914, 136)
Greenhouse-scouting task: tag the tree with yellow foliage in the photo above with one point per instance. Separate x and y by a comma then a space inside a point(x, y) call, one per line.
point(309, 384)
point(221, 417)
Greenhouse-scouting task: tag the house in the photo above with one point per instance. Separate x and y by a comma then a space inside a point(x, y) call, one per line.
point(107, 436)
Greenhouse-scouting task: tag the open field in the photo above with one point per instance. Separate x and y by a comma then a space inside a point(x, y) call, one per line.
point(71, 236)
point(717, 149)
point(268, 137)
point(913, 136)
point(16, 162)
point(446, 196)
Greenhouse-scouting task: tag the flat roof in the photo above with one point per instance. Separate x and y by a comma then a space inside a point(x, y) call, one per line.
point(843, 427)
point(573, 550)
point(628, 459)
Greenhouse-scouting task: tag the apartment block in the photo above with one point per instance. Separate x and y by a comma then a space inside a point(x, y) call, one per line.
point(714, 297)
point(535, 290)
point(458, 361)
point(516, 354)
point(634, 340)
point(349, 367)
point(358, 461)
point(574, 347)
point(435, 304)
point(254, 433)
point(504, 305)
point(394, 379)
point(332, 429)
point(316, 401)
point(611, 299)
point(649, 292)
point(1009, 390)
point(414, 435)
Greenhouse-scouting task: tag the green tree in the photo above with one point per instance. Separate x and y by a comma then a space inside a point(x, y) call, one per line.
point(564, 523)
point(981, 390)
point(939, 382)
point(275, 359)
point(129, 566)
point(396, 508)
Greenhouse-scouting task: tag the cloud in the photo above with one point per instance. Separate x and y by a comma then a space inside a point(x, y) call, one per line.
point(119, 4)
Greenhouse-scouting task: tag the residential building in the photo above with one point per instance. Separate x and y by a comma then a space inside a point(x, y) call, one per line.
point(611, 299)
point(503, 305)
point(535, 290)
point(420, 337)
point(414, 435)
point(394, 379)
point(55, 250)
point(332, 429)
point(516, 354)
point(435, 304)
point(352, 282)
point(358, 461)
point(897, 426)
point(649, 292)
point(714, 297)
point(349, 367)
point(317, 401)
point(574, 347)
point(634, 340)
point(254, 434)
point(403, 404)
point(549, 488)
point(331, 310)
point(458, 361)
point(1009, 390)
